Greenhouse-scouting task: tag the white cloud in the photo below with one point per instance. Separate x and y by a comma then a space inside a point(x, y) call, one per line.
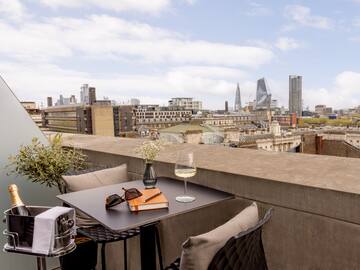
point(257, 9)
point(14, 10)
point(211, 71)
point(302, 15)
point(106, 36)
point(143, 6)
point(190, 2)
point(203, 83)
point(286, 43)
point(38, 54)
point(343, 94)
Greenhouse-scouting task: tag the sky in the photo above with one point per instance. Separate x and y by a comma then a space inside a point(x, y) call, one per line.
point(159, 49)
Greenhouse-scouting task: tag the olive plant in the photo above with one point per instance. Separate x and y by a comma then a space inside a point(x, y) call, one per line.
point(45, 164)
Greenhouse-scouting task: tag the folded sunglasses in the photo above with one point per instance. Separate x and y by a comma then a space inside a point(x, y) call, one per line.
point(115, 199)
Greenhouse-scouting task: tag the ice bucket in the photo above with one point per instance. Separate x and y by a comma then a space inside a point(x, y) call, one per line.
point(20, 229)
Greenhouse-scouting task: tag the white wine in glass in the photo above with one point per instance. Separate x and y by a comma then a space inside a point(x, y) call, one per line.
point(185, 168)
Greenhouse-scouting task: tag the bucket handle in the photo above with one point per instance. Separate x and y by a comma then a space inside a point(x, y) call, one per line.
point(14, 236)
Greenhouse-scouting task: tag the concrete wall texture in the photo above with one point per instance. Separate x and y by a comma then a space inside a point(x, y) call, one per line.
point(316, 199)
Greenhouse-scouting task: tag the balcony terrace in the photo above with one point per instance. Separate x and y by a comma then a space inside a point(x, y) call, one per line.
point(316, 222)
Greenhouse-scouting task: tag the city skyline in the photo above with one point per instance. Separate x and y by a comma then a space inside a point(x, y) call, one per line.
point(163, 49)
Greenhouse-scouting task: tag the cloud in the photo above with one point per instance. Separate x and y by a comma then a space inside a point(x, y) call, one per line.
point(301, 15)
point(48, 56)
point(102, 36)
point(342, 94)
point(212, 85)
point(143, 6)
point(190, 2)
point(286, 43)
point(14, 10)
point(256, 9)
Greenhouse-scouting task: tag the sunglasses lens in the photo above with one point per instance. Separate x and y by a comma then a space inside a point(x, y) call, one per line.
point(132, 193)
point(113, 200)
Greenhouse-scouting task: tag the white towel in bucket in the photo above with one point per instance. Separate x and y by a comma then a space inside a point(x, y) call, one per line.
point(44, 229)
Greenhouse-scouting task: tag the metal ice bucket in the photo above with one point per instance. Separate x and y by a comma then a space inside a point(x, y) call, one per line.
point(20, 229)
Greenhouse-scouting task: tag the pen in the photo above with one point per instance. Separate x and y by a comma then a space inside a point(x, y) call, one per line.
point(152, 196)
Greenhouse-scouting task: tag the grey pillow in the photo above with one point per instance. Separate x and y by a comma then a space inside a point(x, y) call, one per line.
point(94, 179)
point(198, 251)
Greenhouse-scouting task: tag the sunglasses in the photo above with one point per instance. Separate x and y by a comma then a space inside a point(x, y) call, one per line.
point(115, 199)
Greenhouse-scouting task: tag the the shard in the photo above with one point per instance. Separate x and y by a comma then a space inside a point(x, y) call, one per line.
point(263, 97)
point(237, 106)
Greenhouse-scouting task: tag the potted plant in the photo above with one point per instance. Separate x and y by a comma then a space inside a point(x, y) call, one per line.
point(149, 151)
point(45, 164)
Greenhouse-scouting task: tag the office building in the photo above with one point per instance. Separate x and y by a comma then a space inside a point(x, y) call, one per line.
point(92, 95)
point(295, 95)
point(186, 103)
point(263, 96)
point(72, 99)
point(49, 101)
point(124, 120)
point(226, 106)
point(154, 116)
point(33, 110)
point(97, 119)
point(237, 106)
point(84, 94)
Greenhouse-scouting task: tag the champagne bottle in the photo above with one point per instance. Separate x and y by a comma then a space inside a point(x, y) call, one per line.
point(17, 206)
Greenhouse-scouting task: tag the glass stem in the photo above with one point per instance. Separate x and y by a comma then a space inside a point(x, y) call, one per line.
point(185, 186)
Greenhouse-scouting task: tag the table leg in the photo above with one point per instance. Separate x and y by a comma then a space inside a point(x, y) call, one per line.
point(41, 263)
point(148, 246)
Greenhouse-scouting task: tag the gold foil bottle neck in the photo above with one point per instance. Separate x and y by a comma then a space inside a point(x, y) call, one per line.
point(14, 196)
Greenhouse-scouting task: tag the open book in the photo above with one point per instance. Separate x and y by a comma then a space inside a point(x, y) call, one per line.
point(151, 199)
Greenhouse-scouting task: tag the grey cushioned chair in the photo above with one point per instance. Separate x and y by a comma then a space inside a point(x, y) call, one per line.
point(244, 251)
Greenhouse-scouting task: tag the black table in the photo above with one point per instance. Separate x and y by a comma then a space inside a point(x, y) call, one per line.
point(119, 218)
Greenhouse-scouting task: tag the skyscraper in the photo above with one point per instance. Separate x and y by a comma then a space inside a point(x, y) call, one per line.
point(84, 94)
point(237, 106)
point(226, 106)
point(49, 101)
point(92, 95)
point(295, 94)
point(263, 97)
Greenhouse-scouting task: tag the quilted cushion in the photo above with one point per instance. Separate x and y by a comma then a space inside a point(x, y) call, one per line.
point(198, 251)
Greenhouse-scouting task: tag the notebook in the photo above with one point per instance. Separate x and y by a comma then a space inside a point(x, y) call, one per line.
point(158, 202)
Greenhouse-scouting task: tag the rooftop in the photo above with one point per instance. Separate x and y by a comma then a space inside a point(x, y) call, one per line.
point(182, 128)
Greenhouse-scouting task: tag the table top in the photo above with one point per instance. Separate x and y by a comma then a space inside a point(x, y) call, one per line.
point(119, 218)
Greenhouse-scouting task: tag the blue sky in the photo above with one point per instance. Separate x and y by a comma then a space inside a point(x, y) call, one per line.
point(158, 49)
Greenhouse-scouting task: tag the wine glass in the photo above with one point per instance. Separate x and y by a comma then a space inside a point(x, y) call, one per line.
point(185, 168)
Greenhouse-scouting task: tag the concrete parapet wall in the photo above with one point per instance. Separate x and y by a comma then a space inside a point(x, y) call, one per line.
point(316, 222)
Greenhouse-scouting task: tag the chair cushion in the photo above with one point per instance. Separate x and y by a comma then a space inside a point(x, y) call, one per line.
point(94, 179)
point(198, 251)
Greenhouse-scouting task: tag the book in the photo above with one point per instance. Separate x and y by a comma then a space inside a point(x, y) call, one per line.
point(151, 199)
